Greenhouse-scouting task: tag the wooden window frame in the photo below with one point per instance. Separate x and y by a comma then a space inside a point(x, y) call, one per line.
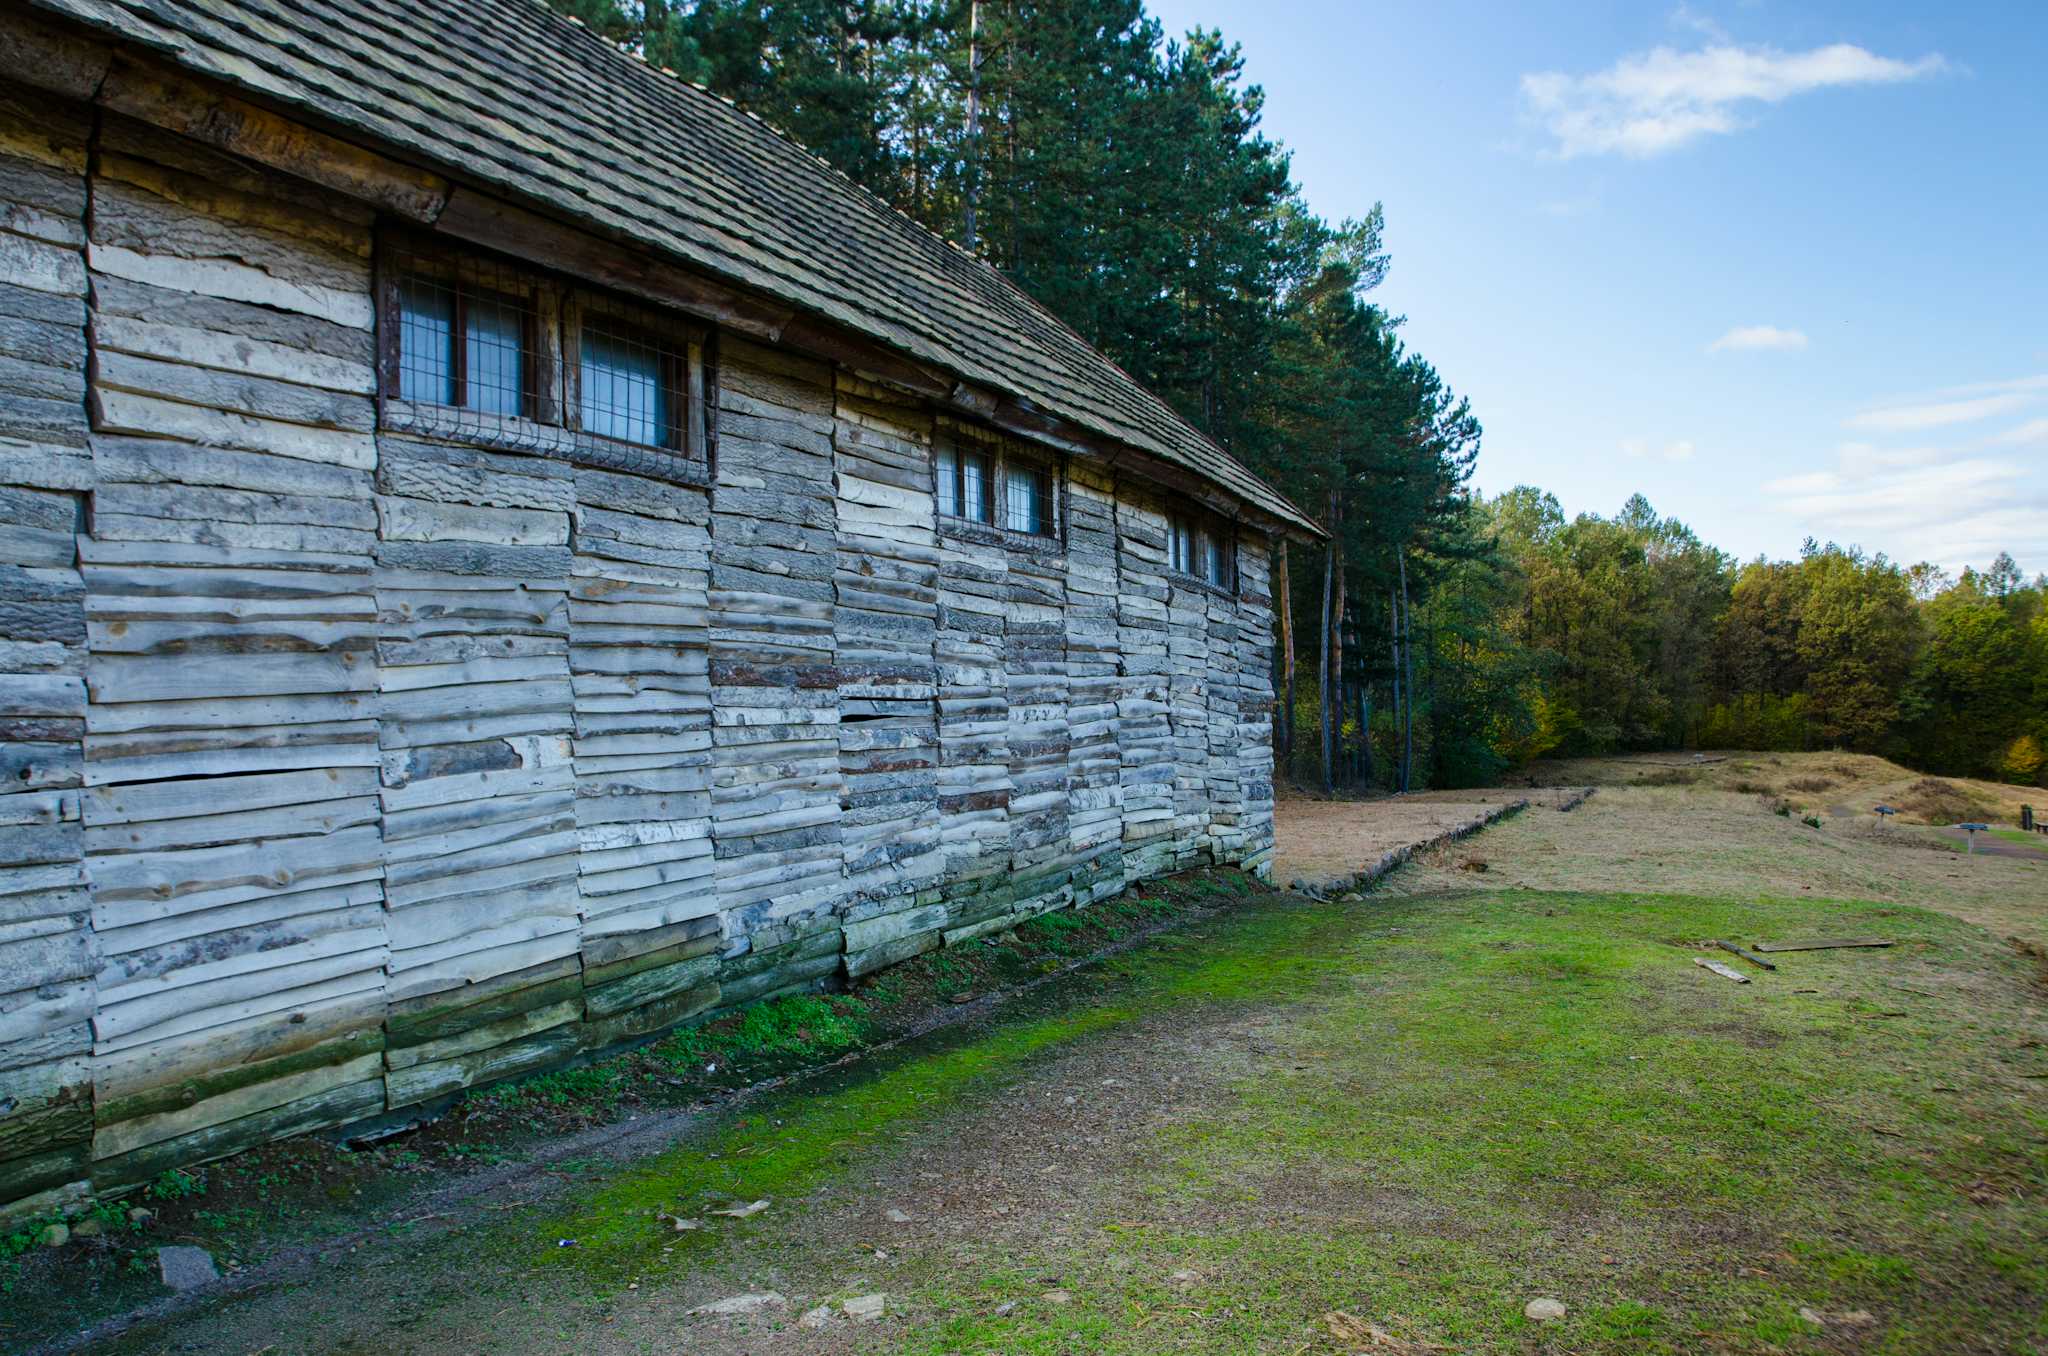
point(401, 255)
point(554, 310)
point(687, 358)
point(1002, 455)
point(1201, 522)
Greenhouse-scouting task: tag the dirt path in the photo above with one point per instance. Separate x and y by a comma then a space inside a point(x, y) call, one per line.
point(1321, 839)
point(1418, 1113)
point(1990, 844)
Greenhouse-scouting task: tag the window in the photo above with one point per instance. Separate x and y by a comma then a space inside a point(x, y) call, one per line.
point(1027, 500)
point(478, 349)
point(1001, 489)
point(465, 337)
point(625, 390)
point(964, 484)
point(638, 379)
point(1202, 546)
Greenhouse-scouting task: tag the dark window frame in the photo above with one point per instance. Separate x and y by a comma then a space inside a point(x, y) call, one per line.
point(554, 310)
point(684, 348)
point(1001, 456)
point(1200, 524)
point(462, 272)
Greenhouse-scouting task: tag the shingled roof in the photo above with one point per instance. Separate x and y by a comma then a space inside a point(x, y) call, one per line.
point(509, 95)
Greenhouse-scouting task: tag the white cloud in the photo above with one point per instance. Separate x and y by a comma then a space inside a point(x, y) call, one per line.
point(1946, 505)
point(2033, 431)
point(2011, 385)
point(1745, 338)
point(1685, 16)
point(1674, 452)
point(1936, 414)
point(1657, 101)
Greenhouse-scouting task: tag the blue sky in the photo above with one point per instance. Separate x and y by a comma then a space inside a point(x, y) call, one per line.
point(1783, 267)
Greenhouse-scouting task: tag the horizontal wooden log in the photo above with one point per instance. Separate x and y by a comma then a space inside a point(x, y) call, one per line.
point(194, 108)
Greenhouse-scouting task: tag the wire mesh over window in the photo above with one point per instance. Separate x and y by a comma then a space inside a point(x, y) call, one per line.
point(469, 345)
point(965, 485)
point(477, 350)
point(630, 386)
point(1027, 500)
point(1202, 546)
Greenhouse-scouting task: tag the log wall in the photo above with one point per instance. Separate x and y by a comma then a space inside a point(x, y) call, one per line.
point(345, 769)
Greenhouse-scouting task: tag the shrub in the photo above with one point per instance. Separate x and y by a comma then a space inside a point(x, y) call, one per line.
point(1934, 801)
point(2023, 760)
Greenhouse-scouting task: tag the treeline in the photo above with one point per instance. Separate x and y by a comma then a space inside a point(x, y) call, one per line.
point(1594, 635)
point(1121, 177)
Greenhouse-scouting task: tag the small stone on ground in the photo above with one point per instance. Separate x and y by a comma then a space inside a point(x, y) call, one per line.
point(184, 1267)
point(865, 1308)
point(1543, 1310)
point(753, 1302)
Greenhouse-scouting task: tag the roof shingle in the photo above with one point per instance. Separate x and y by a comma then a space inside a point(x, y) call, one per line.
point(508, 94)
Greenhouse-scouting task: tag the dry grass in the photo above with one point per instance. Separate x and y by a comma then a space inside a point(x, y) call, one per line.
point(1725, 844)
point(1934, 801)
point(1830, 785)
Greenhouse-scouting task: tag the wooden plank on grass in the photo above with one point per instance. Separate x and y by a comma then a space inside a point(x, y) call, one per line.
point(1720, 969)
point(1733, 949)
point(1824, 944)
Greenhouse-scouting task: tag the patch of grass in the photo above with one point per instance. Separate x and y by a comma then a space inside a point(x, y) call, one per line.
point(176, 1184)
point(1810, 784)
point(1477, 1072)
point(598, 1086)
point(1934, 801)
point(809, 1028)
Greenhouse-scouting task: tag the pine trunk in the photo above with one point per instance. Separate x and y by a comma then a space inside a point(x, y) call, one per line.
point(1407, 680)
point(1283, 733)
point(1335, 640)
point(1323, 684)
point(973, 194)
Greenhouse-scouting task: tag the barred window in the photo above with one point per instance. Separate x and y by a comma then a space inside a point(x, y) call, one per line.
point(626, 390)
point(1003, 489)
point(639, 380)
point(1202, 546)
point(964, 484)
point(1027, 500)
point(479, 349)
point(465, 333)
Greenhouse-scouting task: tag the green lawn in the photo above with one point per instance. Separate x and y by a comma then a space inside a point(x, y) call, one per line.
point(1474, 1101)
